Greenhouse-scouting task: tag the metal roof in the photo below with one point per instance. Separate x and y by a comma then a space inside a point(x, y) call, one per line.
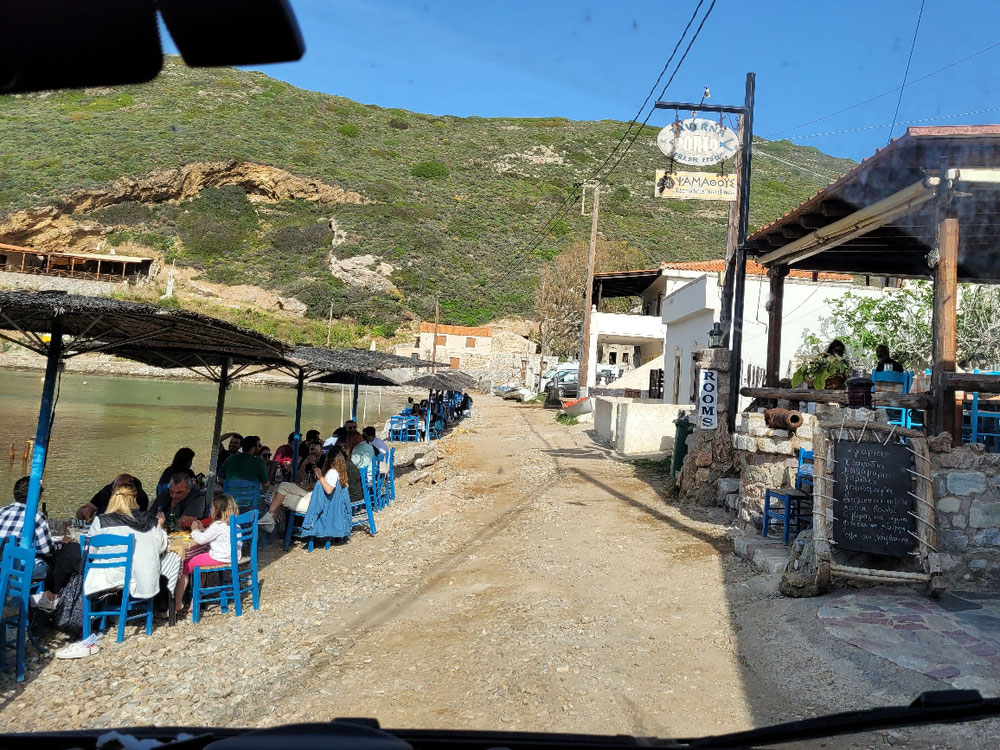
point(900, 247)
point(624, 283)
point(77, 256)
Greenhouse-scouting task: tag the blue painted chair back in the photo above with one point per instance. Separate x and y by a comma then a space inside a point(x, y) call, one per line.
point(982, 424)
point(804, 472)
point(15, 590)
point(245, 492)
point(390, 477)
point(363, 513)
point(412, 429)
point(397, 428)
point(109, 551)
point(897, 416)
point(378, 483)
point(242, 575)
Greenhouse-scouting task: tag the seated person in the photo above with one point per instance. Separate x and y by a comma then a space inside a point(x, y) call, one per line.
point(218, 536)
point(183, 459)
point(295, 495)
point(377, 443)
point(247, 464)
point(360, 452)
point(181, 496)
point(311, 436)
point(124, 516)
point(339, 434)
point(234, 447)
point(354, 490)
point(284, 454)
point(99, 502)
point(11, 525)
point(351, 425)
point(885, 361)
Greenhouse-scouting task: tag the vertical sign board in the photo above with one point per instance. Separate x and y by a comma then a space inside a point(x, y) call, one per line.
point(872, 507)
point(708, 399)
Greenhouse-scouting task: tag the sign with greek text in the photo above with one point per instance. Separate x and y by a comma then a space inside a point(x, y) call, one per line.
point(702, 186)
point(698, 142)
point(708, 399)
point(872, 504)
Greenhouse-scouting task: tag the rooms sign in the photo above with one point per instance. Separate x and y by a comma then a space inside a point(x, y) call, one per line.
point(708, 399)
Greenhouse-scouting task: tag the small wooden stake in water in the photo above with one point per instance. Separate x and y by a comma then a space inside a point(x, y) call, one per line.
point(379, 418)
point(364, 408)
point(341, 403)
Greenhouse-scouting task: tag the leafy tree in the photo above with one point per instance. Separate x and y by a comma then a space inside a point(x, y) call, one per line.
point(902, 319)
point(562, 289)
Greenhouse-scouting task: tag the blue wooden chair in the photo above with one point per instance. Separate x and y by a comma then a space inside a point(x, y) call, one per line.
point(397, 428)
point(378, 483)
point(804, 472)
point(412, 430)
point(107, 551)
point(245, 492)
point(897, 416)
point(15, 593)
point(294, 530)
point(241, 574)
point(363, 513)
point(788, 508)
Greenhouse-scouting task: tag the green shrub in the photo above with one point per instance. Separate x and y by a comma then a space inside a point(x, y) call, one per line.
point(566, 419)
point(430, 170)
point(349, 130)
point(399, 124)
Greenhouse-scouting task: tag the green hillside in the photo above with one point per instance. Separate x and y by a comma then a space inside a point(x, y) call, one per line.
point(451, 199)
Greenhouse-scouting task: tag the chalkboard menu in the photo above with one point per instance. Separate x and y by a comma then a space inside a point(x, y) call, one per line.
point(871, 504)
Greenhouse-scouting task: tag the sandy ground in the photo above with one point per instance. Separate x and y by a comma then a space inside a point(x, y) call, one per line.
point(527, 581)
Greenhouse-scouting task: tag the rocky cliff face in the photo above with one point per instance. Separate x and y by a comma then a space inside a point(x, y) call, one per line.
point(52, 227)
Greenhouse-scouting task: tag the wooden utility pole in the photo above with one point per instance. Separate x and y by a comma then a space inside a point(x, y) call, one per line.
point(434, 346)
point(329, 324)
point(585, 348)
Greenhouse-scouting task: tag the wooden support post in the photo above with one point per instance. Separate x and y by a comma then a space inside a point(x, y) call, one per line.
point(220, 407)
point(776, 303)
point(945, 304)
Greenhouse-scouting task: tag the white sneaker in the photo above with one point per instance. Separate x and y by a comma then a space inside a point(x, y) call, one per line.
point(267, 522)
point(78, 650)
point(44, 603)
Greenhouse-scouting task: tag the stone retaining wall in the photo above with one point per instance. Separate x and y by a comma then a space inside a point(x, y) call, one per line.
point(766, 458)
point(966, 484)
point(31, 283)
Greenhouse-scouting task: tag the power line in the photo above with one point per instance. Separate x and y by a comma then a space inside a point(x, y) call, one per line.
point(884, 93)
point(539, 236)
point(903, 122)
point(669, 81)
point(793, 164)
point(906, 72)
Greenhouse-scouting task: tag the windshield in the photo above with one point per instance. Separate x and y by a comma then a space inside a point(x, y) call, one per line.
point(296, 326)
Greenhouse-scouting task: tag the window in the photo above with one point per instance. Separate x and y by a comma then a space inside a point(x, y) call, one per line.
point(612, 358)
point(470, 342)
point(453, 363)
point(441, 340)
point(624, 358)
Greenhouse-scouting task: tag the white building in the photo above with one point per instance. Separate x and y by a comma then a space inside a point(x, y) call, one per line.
point(680, 302)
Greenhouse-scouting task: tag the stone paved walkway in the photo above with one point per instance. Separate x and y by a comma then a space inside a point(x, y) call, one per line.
point(955, 639)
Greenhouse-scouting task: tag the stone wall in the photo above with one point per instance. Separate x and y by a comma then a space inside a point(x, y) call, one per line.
point(966, 484)
point(710, 452)
point(766, 458)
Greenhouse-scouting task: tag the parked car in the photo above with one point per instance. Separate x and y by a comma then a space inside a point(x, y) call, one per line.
point(553, 372)
point(567, 384)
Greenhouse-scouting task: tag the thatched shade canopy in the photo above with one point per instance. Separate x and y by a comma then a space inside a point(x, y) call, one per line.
point(142, 332)
point(439, 381)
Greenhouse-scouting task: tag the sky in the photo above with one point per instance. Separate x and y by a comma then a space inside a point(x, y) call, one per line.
point(598, 60)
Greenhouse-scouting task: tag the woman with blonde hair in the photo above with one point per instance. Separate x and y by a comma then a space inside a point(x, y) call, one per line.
point(124, 517)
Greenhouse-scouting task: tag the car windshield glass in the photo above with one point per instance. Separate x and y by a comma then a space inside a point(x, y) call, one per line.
point(578, 367)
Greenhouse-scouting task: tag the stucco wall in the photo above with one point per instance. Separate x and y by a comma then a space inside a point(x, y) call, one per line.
point(645, 427)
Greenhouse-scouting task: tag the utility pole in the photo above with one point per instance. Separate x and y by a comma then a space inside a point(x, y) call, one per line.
point(329, 325)
point(585, 347)
point(437, 316)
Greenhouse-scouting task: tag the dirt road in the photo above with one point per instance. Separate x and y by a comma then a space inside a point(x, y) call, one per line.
point(527, 581)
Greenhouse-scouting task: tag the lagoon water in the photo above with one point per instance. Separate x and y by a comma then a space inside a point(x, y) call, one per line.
point(105, 426)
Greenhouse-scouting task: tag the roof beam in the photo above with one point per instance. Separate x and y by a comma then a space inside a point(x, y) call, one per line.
point(857, 224)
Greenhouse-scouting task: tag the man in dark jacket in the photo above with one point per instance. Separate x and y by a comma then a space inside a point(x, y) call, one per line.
point(99, 503)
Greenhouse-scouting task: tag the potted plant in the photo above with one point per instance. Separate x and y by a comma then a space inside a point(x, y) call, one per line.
point(822, 371)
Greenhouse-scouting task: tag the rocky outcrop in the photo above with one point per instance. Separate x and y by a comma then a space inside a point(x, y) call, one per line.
point(48, 227)
point(363, 272)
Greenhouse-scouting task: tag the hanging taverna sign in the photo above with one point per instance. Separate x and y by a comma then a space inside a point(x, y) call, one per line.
point(698, 142)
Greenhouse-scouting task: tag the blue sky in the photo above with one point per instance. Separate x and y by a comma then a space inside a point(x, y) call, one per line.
point(597, 60)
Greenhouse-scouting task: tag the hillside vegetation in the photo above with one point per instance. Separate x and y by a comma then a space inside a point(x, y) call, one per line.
point(447, 201)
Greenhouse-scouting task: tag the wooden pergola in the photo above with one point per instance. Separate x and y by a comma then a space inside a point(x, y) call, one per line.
point(927, 206)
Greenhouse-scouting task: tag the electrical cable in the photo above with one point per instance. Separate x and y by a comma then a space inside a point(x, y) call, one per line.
point(772, 136)
point(906, 72)
point(542, 233)
point(903, 122)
